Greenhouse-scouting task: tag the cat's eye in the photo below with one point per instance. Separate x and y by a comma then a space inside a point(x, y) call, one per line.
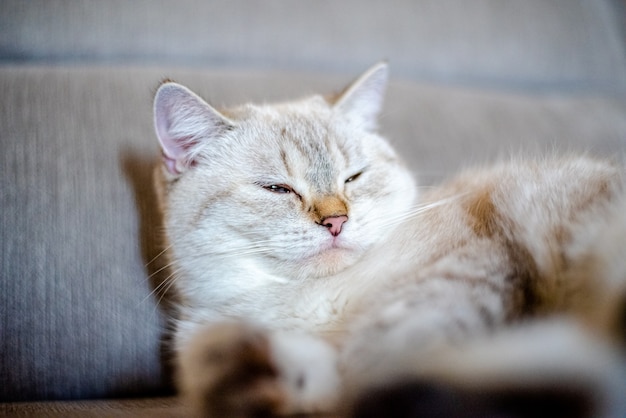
point(353, 177)
point(279, 188)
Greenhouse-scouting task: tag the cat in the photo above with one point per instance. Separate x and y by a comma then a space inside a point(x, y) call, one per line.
point(314, 275)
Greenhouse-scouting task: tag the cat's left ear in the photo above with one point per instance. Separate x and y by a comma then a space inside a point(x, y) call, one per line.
point(362, 100)
point(184, 124)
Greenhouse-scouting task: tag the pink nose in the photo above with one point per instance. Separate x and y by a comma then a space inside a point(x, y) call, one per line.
point(334, 224)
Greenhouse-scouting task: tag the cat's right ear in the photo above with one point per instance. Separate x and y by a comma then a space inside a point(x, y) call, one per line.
point(184, 123)
point(362, 100)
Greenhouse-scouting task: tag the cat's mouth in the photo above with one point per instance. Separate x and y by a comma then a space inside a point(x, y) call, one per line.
point(329, 259)
point(335, 247)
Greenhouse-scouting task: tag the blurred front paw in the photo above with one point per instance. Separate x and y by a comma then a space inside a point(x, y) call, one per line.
point(227, 370)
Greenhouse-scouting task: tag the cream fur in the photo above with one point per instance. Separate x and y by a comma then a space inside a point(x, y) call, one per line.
point(411, 276)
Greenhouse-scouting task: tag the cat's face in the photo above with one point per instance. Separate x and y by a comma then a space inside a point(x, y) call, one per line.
point(299, 190)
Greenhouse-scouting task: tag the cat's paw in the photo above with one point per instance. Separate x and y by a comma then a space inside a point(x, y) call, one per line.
point(227, 370)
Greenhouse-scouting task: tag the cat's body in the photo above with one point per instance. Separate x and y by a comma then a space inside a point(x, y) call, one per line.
point(311, 268)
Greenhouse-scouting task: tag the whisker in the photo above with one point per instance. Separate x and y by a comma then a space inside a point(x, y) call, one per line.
point(158, 287)
point(170, 282)
point(158, 255)
point(161, 291)
point(159, 270)
point(251, 251)
point(415, 211)
point(238, 253)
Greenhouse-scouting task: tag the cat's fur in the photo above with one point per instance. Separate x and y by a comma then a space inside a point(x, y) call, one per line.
point(310, 268)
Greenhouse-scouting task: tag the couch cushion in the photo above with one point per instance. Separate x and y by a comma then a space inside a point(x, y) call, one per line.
point(571, 44)
point(165, 407)
point(77, 317)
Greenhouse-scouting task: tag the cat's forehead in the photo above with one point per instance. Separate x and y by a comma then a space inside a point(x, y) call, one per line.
point(304, 139)
point(292, 113)
point(310, 125)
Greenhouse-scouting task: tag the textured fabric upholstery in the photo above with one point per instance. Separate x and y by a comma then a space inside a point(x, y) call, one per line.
point(530, 43)
point(162, 407)
point(77, 319)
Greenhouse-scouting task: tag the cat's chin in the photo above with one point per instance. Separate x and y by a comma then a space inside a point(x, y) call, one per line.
point(329, 261)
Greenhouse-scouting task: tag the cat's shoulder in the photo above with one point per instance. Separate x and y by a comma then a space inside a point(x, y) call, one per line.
point(574, 170)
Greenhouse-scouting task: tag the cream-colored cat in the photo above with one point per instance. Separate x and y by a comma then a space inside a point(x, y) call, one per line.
point(314, 276)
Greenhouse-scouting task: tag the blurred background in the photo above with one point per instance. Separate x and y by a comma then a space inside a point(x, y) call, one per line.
point(521, 44)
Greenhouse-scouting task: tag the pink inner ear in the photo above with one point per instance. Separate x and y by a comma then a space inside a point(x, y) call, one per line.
point(176, 152)
point(175, 148)
point(170, 164)
point(183, 121)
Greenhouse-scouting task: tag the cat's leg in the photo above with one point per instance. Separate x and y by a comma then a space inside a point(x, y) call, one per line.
point(420, 322)
point(449, 347)
point(554, 368)
point(458, 297)
point(235, 369)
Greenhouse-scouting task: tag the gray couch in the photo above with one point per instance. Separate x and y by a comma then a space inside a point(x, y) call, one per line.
point(471, 82)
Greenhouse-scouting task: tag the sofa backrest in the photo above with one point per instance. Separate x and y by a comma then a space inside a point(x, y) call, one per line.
point(541, 44)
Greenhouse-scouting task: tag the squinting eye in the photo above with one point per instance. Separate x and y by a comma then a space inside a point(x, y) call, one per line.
point(352, 178)
point(279, 188)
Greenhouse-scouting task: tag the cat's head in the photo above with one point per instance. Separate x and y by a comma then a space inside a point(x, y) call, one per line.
point(293, 190)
